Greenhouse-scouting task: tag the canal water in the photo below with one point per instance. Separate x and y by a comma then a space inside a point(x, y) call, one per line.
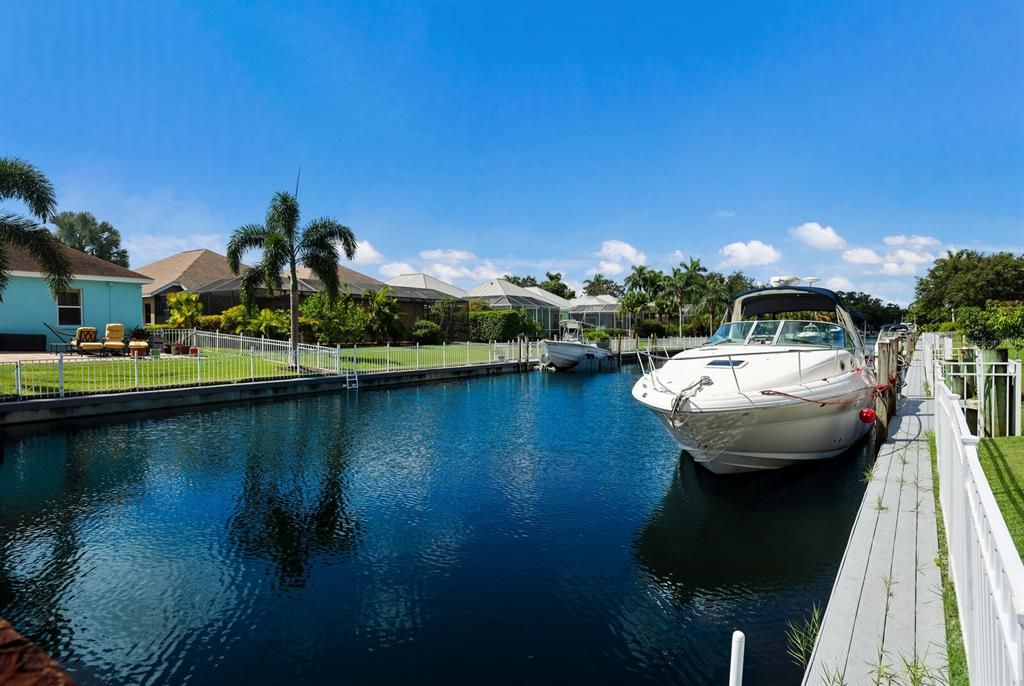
point(533, 528)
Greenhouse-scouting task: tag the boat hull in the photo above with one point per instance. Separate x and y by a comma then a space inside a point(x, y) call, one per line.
point(767, 438)
point(564, 355)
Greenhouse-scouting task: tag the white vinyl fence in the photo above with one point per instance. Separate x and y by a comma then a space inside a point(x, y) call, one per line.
point(987, 571)
point(674, 343)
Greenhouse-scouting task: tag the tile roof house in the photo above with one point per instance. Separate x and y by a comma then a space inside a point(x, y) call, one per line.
point(101, 293)
point(184, 271)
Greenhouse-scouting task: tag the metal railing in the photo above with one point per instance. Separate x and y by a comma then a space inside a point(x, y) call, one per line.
point(212, 357)
point(989, 389)
point(986, 569)
point(676, 343)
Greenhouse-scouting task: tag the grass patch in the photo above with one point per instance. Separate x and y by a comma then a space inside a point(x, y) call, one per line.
point(119, 374)
point(801, 636)
point(955, 655)
point(1002, 459)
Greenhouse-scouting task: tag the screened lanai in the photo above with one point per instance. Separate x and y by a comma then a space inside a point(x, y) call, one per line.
point(601, 311)
point(504, 295)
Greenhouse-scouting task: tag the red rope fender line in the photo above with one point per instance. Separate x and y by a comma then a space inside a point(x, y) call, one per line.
point(875, 392)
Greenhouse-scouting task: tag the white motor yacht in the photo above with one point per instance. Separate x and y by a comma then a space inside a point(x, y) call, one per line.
point(783, 382)
point(570, 350)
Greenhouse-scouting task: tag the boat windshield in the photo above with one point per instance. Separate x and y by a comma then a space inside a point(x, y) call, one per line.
point(781, 332)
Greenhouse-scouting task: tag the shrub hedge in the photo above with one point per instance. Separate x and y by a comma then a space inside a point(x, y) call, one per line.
point(649, 327)
point(502, 325)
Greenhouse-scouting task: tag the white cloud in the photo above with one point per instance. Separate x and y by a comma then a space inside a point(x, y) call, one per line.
point(750, 254)
point(677, 255)
point(608, 268)
point(482, 271)
point(725, 214)
point(449, 256)
point(620, 251)
point(367, 254)
point(911, 256)
point(898, 269)
point(393, 269)
point(914, 241)
point(818, 236)
point(861, 256)
point(839, 283)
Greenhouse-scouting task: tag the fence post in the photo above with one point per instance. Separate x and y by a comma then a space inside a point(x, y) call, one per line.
point(736, 659)
point(444, 355)
point(469, 349)
point(337, 359)
point(355, 357)
point(135, 365)
point(387, 357)
point(60, 374)
point(199, 367)
point(17, 378)
point(252, 363)
point(417, 355)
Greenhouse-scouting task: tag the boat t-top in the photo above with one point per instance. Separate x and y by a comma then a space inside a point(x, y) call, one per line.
point(783, 381)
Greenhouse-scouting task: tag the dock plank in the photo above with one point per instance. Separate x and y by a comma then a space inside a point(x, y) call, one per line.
point(885, 608)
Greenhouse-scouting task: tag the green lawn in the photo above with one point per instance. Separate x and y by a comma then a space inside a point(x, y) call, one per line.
point(1003, 462)
point(115, 374)
point(956, 657)
point(381, 358)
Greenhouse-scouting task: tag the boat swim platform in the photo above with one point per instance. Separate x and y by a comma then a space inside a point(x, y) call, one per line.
point(885, 619)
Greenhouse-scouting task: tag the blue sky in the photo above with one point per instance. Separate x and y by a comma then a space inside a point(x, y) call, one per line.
point(848, 141)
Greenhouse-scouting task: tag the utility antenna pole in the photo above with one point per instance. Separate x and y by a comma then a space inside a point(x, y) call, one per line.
point(297, 177)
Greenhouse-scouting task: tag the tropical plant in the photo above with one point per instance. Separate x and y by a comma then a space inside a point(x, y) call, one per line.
point(684, 283)
point(599, 284)
point(341, 321)
point(554, 284)
point(477, 305)
point(81, 231)
point(643, 279)
point(269, 323)
point(426, 332)
point(966, 278)
point(185, 310)
point(502, 325)
point(385, 315)
point(451, 318)
point(285, 245)
point(634, 303)
point(19, 180)
point(521, 281)
point(714, 297)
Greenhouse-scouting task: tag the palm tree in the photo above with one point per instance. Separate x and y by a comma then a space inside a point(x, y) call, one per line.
point(687, 283)
point(385, 315)
point(285, 245)
point(21, 181)
point(82, 231)
point(600, 284)
point(714, 295)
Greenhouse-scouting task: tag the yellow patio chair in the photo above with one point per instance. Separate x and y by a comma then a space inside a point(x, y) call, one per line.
point(85, 341)
point(113, 339)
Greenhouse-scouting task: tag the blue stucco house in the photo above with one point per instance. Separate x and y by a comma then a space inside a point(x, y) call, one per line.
point(101, 293)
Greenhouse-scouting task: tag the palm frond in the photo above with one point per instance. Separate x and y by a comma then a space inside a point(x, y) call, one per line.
point(5, 273)
point(283, 214)
point(247, 286)
point(23, 181)
point(326, 230)
point(44, 248)
point(244, 239)
point(323, 262)
point(276, 256)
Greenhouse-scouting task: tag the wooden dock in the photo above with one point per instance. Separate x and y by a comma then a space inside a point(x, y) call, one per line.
point(884, 619)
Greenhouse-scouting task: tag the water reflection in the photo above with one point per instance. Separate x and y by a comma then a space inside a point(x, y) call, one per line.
point(749, 533)
point(293, 506)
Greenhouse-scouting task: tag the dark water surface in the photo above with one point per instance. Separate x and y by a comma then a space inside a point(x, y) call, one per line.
point(535, 528)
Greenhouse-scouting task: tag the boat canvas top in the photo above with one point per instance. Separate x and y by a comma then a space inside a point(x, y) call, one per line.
point(756, 302)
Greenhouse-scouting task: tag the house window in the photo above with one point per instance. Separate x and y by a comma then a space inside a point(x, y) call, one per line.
point(69, 308)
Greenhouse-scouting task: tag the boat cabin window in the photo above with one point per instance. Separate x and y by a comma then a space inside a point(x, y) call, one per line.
point(782, 332)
